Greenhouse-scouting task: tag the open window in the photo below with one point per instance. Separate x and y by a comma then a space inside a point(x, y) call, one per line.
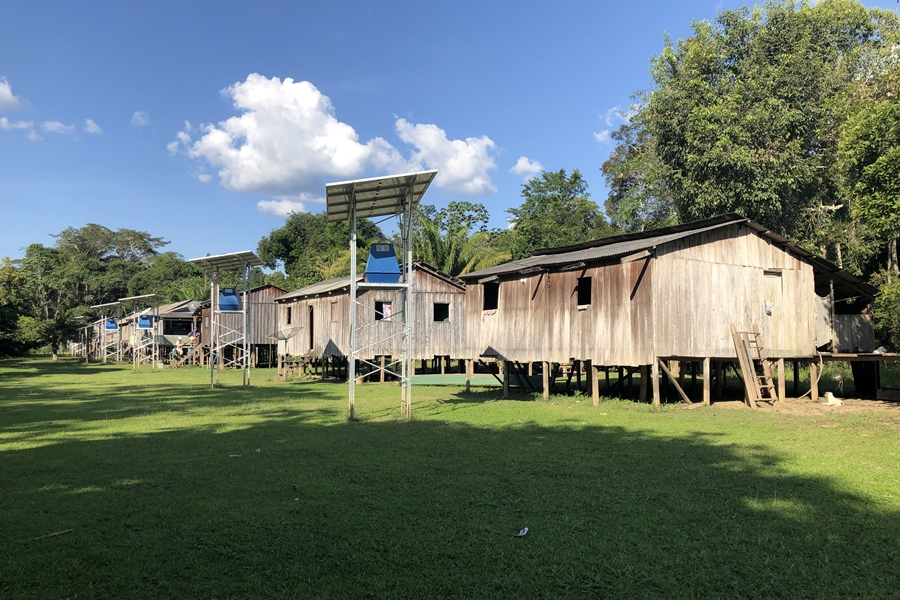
point(491, 295)
point(583, 291)
point(288, 322)
point(441, 311)
point(383, 311)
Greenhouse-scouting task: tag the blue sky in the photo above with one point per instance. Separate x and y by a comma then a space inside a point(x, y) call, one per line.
point(205, 122)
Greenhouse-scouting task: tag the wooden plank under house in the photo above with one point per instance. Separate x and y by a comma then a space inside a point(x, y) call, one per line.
point(263, 324)
point(634, 302)
point(316, 319)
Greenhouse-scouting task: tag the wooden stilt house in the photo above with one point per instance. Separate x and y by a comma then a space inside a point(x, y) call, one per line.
point(638, 299)
point(315, 319)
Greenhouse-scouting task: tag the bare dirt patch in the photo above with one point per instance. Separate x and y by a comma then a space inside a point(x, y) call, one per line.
point(807, 407)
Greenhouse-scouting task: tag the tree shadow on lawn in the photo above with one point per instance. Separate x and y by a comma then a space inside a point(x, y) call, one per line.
point(292, 506)
point(40, 402)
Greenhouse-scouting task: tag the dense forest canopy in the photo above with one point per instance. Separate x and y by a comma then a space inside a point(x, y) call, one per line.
point(788, 113)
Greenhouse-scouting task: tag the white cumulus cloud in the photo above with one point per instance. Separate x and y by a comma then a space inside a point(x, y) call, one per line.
point(602, 136)
point(526, 168)
point(287, 141)
point(7, 124)
point(280, 208)
point(140, 119)
point(57, 127)
point(462, 165)
point(34, 136)
point(7, 99)
point(91, 127)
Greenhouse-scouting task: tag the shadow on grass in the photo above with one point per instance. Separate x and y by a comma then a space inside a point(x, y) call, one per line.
point(318, 507)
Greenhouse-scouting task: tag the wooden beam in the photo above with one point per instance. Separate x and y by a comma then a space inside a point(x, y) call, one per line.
point(782, 384)
point(674, 381)
point(645, 375)
point(468, 373)
point(654, 378)
point(593, 383)
point(707, 383)
point(506, 378)
point(636, 256)
point(814, 381)
point(545, 367)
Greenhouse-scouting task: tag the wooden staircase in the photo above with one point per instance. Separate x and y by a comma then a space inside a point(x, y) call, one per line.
point(184, 357)
point(755, 365)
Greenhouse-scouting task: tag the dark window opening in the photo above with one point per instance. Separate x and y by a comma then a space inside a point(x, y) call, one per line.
point(383, 311)
point(177, 327)
point(584, 291)
point(441, 311)
point(491, 296)
point(289, 315)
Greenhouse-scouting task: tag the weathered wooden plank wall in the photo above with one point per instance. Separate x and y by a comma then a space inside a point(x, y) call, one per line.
point(709, 280)
point(330, 334)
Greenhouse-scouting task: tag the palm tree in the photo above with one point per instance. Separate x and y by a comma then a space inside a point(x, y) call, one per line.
point(456, 251)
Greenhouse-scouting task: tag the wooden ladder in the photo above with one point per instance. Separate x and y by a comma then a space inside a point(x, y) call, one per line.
point(756, 366)
point(174, 364)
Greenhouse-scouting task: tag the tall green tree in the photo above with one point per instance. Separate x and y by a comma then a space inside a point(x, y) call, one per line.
point(556, 211)
point(744, 116)
point(639, 197)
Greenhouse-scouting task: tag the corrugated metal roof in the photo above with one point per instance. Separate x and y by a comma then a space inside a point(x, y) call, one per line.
point(624, 246)
point(845, 283)
point(317, 289)
point(338, 283)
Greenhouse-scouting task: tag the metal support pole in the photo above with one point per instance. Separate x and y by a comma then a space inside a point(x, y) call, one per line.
point(245, 359)
point(351, 364)
point(213, 297)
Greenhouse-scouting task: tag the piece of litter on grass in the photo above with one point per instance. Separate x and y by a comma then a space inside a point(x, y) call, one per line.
point(257, 450)
point(296, 499)
point(234, 455)
point(54, 534)
point(522, 533)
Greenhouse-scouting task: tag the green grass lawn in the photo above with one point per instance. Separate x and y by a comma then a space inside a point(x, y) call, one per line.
point(168, 489)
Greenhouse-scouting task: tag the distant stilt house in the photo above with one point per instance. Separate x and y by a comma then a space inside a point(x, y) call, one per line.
point(639, 300)
point(315, 319)
point(263, 324)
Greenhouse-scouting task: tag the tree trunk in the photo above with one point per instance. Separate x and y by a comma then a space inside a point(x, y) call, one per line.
point(894, 267)
point(840, 258)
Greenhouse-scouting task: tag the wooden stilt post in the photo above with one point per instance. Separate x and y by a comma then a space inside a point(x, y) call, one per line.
point(530, 369)
point(592, 383)
point(468, 373)
point(506, 379)
point(381, 379)
point(577, 366)
point(814, 381)
point(707, 384)
point(645, 375)
point(654, 378)
point(546, 377)
point(782, 384)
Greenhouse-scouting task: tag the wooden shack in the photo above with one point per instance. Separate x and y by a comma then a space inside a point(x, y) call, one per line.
point(317, 319)
point(634, 300)
point(263, 323)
